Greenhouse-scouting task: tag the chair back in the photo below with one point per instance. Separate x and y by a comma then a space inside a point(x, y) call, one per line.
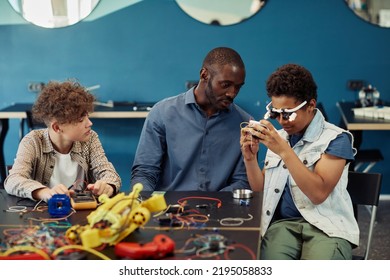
point(364, 188)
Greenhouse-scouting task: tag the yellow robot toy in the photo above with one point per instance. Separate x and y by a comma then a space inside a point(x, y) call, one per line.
point(116, 218)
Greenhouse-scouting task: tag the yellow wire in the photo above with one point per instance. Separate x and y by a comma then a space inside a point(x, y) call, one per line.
point(26, 248)
point(79, 247)
point(163, 211)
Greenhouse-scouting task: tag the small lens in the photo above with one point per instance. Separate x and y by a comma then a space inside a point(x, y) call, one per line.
point(273, 115)
point(286, 116)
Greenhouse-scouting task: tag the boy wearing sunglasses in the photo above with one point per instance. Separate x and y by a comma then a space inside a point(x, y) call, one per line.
point(307, 212)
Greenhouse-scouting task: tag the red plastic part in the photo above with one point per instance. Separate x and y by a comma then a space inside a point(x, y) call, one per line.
point(160, 247)
point(28, 256)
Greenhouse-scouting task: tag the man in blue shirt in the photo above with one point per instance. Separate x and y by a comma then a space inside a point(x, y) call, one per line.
point(190, 142)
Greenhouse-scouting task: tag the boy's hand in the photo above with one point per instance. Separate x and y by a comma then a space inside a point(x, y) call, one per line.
point(46, 193)
point(100, 187)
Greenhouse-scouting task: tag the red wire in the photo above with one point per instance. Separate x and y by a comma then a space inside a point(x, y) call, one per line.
point(226, 253)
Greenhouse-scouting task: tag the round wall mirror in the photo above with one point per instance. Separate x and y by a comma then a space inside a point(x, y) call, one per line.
point(373, 11)
point(217, 12)
point(54, 13)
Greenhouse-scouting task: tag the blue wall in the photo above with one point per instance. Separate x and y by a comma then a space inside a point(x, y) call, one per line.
point(147, 51)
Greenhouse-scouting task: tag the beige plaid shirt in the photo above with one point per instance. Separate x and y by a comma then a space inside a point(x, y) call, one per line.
point(34, 163)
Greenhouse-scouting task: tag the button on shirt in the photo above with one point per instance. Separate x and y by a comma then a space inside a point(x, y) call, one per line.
point(182, 149)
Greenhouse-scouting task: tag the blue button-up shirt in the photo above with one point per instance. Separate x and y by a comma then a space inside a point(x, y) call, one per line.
point(182, 149)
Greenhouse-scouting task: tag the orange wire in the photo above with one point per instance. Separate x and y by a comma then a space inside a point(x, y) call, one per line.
point(184, 199)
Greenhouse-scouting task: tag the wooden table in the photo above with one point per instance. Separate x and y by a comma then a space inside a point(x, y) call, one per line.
point(353, 122)
point(357, 125)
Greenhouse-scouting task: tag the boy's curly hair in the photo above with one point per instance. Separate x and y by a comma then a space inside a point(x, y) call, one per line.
point(66, 102)
point(292, 80)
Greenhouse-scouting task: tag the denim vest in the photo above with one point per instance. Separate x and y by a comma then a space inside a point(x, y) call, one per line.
point(335, 215)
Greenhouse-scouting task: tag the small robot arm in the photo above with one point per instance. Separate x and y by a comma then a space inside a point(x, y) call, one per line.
point(116, 218)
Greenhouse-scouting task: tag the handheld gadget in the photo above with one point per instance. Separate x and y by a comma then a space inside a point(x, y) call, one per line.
point(83, 200)
point(253, 122)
